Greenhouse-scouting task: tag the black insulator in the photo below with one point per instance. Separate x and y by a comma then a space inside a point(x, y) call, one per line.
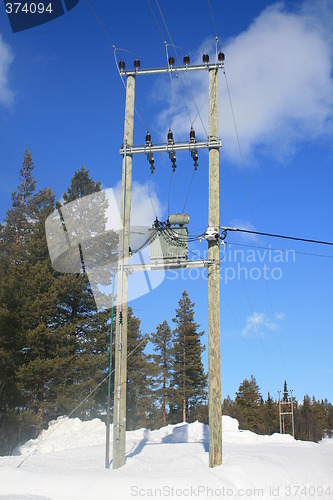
point(170, 137)
point(171, 61)
point(121, 65)
point(148, 139)
point(186, 60)
point(150, 158)
point(194, 155)
point(120, 317)
point(137, 64)
point(156, 223)
point(205, 58)
point(192, 135)
point(172, 156)
point(221, 56)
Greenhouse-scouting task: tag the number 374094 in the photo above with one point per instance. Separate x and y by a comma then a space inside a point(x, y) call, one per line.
point(28, 8)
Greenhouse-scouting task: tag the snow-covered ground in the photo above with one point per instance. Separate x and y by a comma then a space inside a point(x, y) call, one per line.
point(171, 462)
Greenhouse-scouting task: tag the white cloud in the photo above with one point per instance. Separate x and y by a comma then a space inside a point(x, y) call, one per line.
point(6, 58)
point(258, 323)
point(280, 78)
point(144, 204)
point(244, 224)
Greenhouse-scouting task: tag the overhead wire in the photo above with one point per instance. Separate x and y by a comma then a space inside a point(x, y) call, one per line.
point(251, 206)
point(150, 196)
point(76, 408)
point(274, 235)
point(176, 53)
point(143, 122)
point(172, 86)
point(297, 252)
point(114, 48)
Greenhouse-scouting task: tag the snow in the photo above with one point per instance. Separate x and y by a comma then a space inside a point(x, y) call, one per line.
point(67, 462)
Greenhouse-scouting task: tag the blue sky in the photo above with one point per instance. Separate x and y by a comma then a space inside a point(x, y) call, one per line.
point(62, 98)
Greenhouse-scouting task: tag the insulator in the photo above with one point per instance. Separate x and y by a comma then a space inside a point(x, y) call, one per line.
point(194, 154)
point(156, 223)
point(121, 65)
point(186, 59)
point(150, 158)
point(171, 61)
point(170, 137)
point(221, 56)
point(172, 156)
point(205, 58)
point(137, 64)
point(192, 135)
point(148, 139)
point(120, 317)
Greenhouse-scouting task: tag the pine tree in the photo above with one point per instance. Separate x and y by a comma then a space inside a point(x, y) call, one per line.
point(67, 338)
point(247, 400)
point(139, 404)
point(17, 223)
point(162, 345)
point(271, 416)
point(15, 233)
point(189, 383)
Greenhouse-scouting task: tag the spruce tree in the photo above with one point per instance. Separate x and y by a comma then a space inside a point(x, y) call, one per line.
point(247, 400)
point(189, 382)
point(139, 403)
point(162, 345)
point(18, 224)
point(67, 338)
point(14, 236)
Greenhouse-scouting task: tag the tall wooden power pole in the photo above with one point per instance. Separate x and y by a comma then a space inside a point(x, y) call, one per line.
point(119, 426)
point(214, 356)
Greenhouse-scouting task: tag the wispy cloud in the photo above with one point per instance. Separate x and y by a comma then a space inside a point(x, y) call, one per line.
point(145, 205)
point(280, 78)
point(258, 323)
point(6, 58)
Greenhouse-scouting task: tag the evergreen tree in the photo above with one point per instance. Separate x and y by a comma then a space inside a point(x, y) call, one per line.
point(67, 338)
point(189, 382)
point(139, 404)
point(14, 235)
point(247, 400)
point(162, 374)
point(285, 391)
point(271, 416)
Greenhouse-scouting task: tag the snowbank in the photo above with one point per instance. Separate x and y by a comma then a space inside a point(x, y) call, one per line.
point(67, 462)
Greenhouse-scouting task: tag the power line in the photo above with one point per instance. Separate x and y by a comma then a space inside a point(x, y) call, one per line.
point(273, 235)
point(77, 407)
point(250, 202)
point(282, 250)
point(176, 53)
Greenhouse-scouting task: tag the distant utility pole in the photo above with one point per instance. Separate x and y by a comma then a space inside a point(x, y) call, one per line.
point(212, 235)
point(286, 407)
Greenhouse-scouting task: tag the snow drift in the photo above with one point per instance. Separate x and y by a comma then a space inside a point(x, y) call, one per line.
point(67, 462)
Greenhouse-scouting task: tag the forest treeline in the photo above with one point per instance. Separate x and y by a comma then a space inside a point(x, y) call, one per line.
point(55, 344)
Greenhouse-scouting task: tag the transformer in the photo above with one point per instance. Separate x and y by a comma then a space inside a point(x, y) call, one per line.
point(169, 243)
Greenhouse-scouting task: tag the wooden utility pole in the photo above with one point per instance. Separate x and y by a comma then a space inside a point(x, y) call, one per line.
point(119, 426)
point(214, 357)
